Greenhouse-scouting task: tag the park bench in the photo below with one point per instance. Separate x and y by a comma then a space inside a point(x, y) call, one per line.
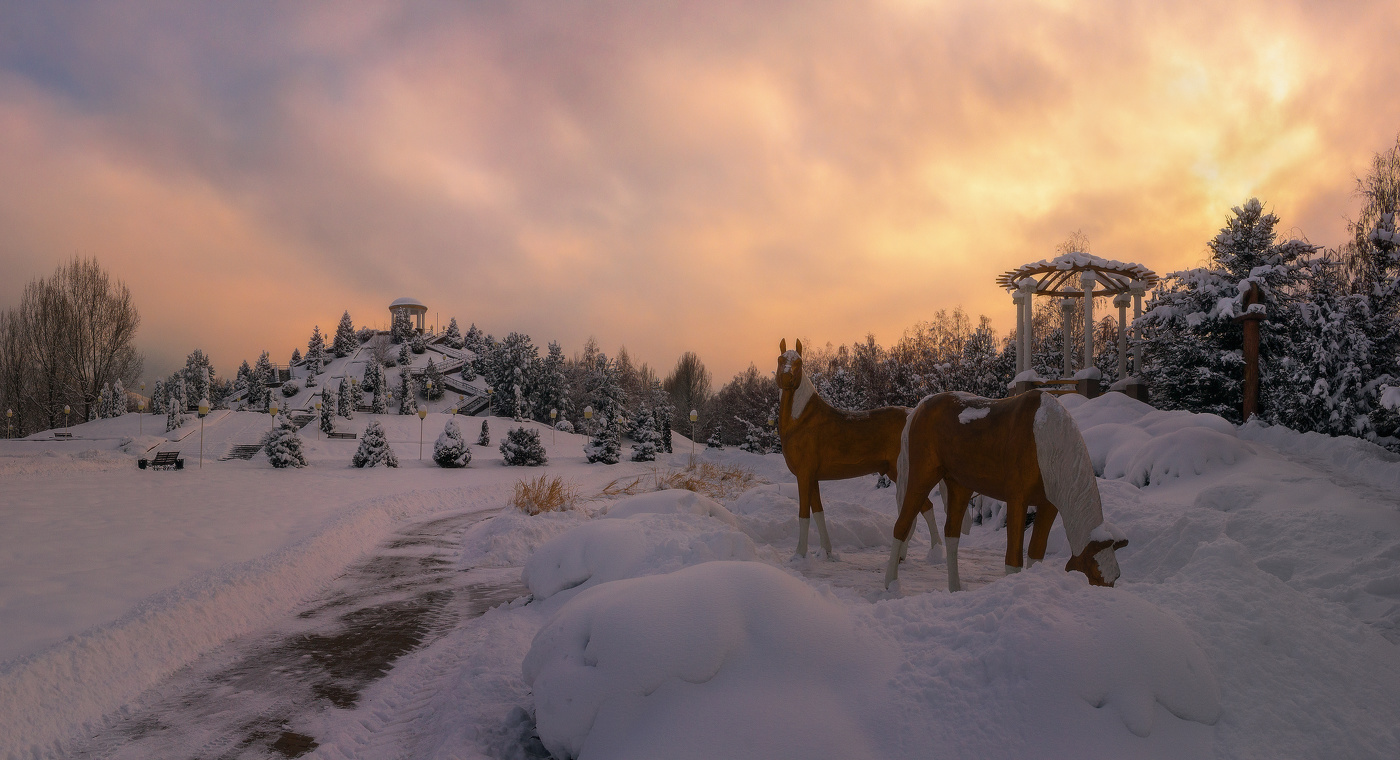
point(341, 436)
point(164, 459)
point(63, 434)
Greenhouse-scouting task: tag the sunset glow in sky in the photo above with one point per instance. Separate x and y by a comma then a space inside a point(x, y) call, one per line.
point(706, 176)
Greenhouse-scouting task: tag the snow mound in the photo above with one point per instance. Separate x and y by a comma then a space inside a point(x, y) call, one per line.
point(672, 502)
point(1128, 440)
point(724, 659)
point(1363, 460)
point(643, 544)
point(508, 539)
point(1102, 671)
point(768, 514)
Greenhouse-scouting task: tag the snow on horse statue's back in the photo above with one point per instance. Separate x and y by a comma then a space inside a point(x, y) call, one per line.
point(1025, 450)
point(821, 442)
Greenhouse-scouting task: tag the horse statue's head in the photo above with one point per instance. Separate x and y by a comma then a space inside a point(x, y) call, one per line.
point(1098, 562)
point(789, 366)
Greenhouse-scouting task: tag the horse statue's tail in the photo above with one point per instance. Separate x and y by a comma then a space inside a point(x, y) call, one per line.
point(902, 482)
point(1068, 476)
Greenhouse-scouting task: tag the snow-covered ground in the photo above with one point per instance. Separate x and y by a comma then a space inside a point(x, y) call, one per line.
point(1258, 614)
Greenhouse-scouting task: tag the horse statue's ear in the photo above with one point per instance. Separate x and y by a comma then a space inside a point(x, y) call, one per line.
point(799, 346)
point(782, 346)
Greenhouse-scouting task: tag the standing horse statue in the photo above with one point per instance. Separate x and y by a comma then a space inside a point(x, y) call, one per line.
point(1026, 451)
point(821, 442)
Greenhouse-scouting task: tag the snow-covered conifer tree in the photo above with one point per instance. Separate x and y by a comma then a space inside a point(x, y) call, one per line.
point(158, 397)
point(521, 447)
point(408, 394)
point(316, 346)
point(432, 375)
point(715, 441)
point(283, 444)
point(604, 446)
point(370, 380)
point(473, 340)
point(296, 355)
point(118, 399)
point(380, 402)
point(418, 343)
point(753, 438)
point(549, 388)
point(405, 359)
point(174, 411)
point(344, 342)
point(401, 330)
point(452, 336)
point(374, 448)
point(485, 438)
point(104, 402)
point(329, 402)
point(648, 440)
point(312, 368)
point(345, 406)
point(451, 449)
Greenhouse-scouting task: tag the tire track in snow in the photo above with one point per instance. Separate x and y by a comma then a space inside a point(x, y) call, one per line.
point(258, 696)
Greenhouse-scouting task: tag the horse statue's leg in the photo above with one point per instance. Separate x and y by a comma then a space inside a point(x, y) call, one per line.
point(1015, 533)
point(1040, 532)
point(915, 492)
point(819, 517)
point(955, 500)
point(804, 515)
point(935, 552)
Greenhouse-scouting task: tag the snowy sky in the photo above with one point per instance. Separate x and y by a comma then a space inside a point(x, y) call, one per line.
point(670, 176)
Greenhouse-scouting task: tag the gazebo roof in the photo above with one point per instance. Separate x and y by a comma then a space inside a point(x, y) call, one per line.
point(1057, 276)
point(412, 303)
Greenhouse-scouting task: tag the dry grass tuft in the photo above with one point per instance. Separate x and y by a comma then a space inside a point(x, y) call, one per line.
point(718, 481)
point(545, 494)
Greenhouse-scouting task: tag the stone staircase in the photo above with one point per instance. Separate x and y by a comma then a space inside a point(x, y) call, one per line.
point(241, 451)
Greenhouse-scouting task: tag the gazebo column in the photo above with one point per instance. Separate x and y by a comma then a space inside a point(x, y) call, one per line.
point(1088, 385)
point(1066, 312)
point(1121, 301)
point(1135, 387)
point(1027, 288)
point(1020, 300)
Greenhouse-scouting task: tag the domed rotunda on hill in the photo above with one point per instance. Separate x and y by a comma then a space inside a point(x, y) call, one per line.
point(413, 307)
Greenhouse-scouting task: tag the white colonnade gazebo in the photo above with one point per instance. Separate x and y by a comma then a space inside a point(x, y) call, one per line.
point(1079, 275)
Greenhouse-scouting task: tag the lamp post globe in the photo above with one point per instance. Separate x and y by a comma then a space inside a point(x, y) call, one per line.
point(553, 432)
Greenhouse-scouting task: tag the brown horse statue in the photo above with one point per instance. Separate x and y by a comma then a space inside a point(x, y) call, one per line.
point(821, 442)
point(1025, 450)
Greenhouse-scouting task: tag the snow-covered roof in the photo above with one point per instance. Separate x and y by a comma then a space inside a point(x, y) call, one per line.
point(1113, 276)
point(411, 302)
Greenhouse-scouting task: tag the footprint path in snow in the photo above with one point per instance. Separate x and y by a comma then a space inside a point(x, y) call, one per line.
point(254, 697)
point(864, 571)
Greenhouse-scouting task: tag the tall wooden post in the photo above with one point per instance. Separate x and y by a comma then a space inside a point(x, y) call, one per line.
point(1066, 312)
point(1250, 320)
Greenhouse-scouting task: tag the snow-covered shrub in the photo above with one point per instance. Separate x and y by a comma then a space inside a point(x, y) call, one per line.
point(603, 447)
point(364, 334)
point(648, 441)
point(522, 448)
point(374, 448)
point(291, 388)
point(755, 439)
point(451, 449)
point(715, 441)
point(283, 444)
point(311, 375)
point(564, 426)
point(485, 438)
point(418, 343)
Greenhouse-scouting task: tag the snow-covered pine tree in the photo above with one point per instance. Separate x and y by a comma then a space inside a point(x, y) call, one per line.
point(283, 444)
point(258, 378)
point(118, 398)
point(374, 448)
point(485, 438)
point(604, 447)
point(509, 365)
point(344, 342)
point(474, 340)
point(1193, 343)
point(772, 442)
point(451, 449)
point(648, 440)
point(408, 394)
point(197, 373)
point(316, 346)
point(549, 388)
point(716, 441)
point(174, 411)
point(405, 359)
point(418, 343)
point(296, 355)
point(370, 380)
point(158, 396)
point(346, 401)
point(329, 402)
point(104, 402)
point(432, 375)
point(452, 336)
point(753, 438)
point(240, 380)
point(841, 389)
point(312, 368)
point(401, 330)
point(380, 401)
point(521, 447)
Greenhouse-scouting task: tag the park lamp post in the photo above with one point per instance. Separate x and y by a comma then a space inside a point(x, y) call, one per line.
point(553, 434)
point(203, 412)
point(588, 419)
point(272, 410)
point(9, 423)
point(422, 415)
point(66, 410)
point(141, 413)
point(319, 418)
point(693, 417)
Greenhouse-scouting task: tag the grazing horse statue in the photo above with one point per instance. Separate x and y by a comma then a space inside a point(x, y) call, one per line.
point(1025, 450)
point(821, 442)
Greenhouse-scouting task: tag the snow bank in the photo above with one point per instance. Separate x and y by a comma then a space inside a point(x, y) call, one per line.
point(1128, 440)
point(724, 659)
point(768, 514)
point(643, 544)
point(1353, 457)
point(48, 696)
point(671, 502)
point(508, 539)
